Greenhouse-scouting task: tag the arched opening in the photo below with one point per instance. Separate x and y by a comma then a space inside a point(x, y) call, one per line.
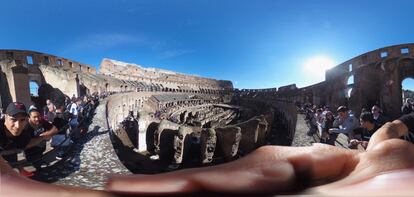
point(350, 80)
point(46, 91)
point(83, 90)
point(407, 86)
point(34, 93)
point(34, 89)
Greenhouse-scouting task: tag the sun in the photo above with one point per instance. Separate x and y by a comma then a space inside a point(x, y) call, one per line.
point(317, 65)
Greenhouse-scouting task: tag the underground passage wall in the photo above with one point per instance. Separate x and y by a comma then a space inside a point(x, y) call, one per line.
point(169, 131)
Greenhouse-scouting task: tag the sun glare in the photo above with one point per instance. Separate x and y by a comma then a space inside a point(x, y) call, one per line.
point(317, 65)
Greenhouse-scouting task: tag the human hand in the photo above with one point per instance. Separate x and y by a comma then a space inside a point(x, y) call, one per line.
point(49, 134)
point(268, 170)
point(11, 184)
point(46, 135)
point(322, 169)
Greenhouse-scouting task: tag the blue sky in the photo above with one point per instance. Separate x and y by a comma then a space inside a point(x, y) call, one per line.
point(255, 44)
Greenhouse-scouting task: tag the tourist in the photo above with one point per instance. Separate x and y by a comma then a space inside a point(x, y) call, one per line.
point(345, 123)
point(327, 124)
point(61, 118)
point(407, 107)
point(61, 121)
point(40, 130)
point(74, 110)
point(311, 120)
point(48, 110)
point(45, 108)
point(326, 109)
point(319, 119)
point(379, 118)
point(51, 113)
point(12, 137)
point(67, 102)
point(368, 126)
point(73, 99)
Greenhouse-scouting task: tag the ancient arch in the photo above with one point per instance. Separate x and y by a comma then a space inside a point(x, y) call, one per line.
point(407, 88)
point(34, 88)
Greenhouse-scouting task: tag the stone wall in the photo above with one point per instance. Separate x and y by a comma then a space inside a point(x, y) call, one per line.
point(164, 79)
point(33, 58)
point(15, 86)
point(372, 78)
point(74, 78)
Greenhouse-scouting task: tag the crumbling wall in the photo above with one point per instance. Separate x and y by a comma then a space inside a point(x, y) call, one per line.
point(17, 82)
point(164, 79)
point(377, 77)
point(5, 95)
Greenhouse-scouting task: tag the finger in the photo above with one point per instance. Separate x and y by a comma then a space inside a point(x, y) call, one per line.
point(386, 158)
point(11, 184)
point(244, 177)
point(259, 179)
point(45, 133)
point(161, 184)
point(269, 169)
point(253, 173)
point(389, 130)
point(401, 181)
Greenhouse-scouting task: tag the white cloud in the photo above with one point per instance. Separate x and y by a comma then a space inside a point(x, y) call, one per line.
point(174, 53)
point(104, 41)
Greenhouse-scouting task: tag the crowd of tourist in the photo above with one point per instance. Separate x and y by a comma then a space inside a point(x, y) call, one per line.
point(29, 129)
point(408, 106)
point(323, 122)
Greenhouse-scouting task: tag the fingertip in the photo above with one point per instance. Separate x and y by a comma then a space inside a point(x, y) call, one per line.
point(149, 185)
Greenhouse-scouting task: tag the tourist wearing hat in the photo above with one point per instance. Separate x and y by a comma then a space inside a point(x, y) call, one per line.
point(12, 135)
point(11, 128)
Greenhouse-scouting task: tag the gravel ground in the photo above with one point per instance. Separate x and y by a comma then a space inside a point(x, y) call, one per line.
point(300, 138)
point(92, 158)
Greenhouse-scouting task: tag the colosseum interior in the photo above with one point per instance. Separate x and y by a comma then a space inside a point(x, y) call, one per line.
point(160, 120)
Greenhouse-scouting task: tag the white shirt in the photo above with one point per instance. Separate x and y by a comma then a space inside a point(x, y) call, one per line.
point(74, 109)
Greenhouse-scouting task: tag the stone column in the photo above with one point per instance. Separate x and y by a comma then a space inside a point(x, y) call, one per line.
point(20, 85)
point(77, 86)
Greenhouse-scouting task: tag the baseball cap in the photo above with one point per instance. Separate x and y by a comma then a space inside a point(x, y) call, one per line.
point(342, 109)
point(15, 108)
point(33, 108)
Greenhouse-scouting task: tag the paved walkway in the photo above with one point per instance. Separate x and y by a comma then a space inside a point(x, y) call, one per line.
point(91, 159)
point(302, 139)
